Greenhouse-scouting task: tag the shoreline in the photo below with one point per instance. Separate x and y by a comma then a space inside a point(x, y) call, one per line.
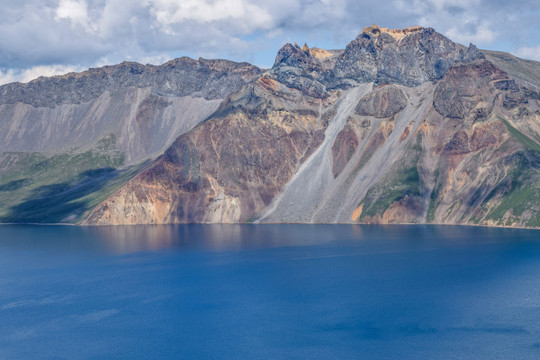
point(271, 223)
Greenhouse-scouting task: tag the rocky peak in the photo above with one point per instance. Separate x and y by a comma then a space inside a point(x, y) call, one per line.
point(305, 57)
point(293, 55)
point(410, 57)
point(297, 68)
point(397, 34)
point(472, 54)
point(209, 79)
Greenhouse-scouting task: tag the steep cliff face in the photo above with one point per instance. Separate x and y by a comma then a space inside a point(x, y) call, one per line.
point(401, 126)
point(230, 167)
point(52, 129)
point(146, 107)
point(488, 172)
point(410, 57)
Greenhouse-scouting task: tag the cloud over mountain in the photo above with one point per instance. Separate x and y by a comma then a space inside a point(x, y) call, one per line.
point(52, 36)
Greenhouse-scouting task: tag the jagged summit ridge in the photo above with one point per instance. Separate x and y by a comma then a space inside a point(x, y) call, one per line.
point(397, 34)
point(209, 79)
point(410, 56)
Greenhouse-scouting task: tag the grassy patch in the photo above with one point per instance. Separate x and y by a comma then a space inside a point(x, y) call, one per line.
point(519, 191)
point(36, 187)
point(403, 180)
point(515, 203)
point(522, 138)
point(433, 200)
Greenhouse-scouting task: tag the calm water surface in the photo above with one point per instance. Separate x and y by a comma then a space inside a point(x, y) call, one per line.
point(269, 292)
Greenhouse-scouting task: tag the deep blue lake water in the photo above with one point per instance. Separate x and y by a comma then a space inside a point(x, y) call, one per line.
point(269, 292)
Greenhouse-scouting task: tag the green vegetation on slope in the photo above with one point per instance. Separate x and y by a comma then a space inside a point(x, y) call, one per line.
point(520, 189)
point(524, 139)
point(42, 188)
point(402, 180)
point(433, 199)
point(518, 193)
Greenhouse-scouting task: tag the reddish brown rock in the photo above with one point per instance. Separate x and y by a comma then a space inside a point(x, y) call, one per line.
point(465, 86)
point(459, 144)
point(404, 211)
point(343, 149)
point(225, 170)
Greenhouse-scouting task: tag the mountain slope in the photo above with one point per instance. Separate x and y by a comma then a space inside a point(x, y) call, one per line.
point(53, 130)
point(146, 107)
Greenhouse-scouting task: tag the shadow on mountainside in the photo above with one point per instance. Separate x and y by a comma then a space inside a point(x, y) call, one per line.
point(62, 202)
point(15, 185)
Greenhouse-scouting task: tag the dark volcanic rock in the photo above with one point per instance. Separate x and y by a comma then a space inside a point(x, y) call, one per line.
point(410, 57)
point(465, 86)
point(382, 103)
point(472, 54)
point(209, 79)
point(293, 55)
point(297, 68)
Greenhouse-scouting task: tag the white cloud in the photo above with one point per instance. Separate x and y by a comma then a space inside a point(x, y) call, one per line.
point(425, 7)
point(38, 33)
point(7, 76)
point(532, 52)
point(34, 72)
point(76, 11)
point(444, 4)
point(462, 21)
point(120, 19)
point(170, 11)
point(481, 34)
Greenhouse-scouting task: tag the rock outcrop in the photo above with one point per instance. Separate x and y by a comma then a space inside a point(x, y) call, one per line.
point(382, 103)
point(208, 79)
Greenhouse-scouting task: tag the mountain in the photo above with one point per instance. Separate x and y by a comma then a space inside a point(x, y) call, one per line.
point(401, 126)
point(67, 142)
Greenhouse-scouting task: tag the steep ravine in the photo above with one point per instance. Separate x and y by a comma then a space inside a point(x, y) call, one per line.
point(301, 196)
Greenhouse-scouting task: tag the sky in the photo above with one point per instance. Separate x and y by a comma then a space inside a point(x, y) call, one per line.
point(49, 37)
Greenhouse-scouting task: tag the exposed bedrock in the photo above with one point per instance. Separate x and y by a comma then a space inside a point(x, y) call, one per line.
point(382, 103)
point(230, 167)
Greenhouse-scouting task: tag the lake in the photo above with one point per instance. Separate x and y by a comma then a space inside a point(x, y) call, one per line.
point(269, 292)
